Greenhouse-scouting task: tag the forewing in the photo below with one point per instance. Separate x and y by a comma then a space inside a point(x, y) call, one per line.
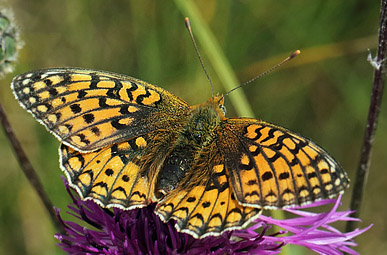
point(88, 109)
point(204, 203)
point(271, 167)
point(119, 175)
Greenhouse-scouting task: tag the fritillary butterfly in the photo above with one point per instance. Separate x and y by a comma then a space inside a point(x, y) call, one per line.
point(127, 143)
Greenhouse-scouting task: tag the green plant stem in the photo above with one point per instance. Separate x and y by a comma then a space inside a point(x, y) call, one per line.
point(28, 170)
point(372, 119)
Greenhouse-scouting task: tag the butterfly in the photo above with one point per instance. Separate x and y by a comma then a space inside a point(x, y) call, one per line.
point(126, 143)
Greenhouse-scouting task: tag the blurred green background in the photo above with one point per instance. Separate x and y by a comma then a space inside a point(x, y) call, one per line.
point(323, 93)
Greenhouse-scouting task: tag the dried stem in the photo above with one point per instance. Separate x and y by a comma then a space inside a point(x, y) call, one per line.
point(373, 114)
point(28, 170)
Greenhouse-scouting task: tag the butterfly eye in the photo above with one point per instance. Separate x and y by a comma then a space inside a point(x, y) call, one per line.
point(223, 108)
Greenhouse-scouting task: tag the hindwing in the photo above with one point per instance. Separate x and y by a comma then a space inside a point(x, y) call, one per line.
point(204, 203)
point(120, 175)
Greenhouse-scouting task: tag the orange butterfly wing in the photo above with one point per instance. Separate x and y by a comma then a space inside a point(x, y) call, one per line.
point(204, 203)
point(88, 109)
point(271, 167)
point(120, 175)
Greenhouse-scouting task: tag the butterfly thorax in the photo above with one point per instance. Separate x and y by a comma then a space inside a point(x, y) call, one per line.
point(192, 140)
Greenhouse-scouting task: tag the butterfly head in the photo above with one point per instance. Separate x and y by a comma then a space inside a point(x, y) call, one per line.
point(218, 102)
point(214, 105)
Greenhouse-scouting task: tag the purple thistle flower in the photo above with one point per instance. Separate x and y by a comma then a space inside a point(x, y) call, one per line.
point(140, 231)
point(312, 230)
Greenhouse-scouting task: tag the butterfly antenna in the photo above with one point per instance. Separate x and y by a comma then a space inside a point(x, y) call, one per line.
point(293, 55)
point(188, 25)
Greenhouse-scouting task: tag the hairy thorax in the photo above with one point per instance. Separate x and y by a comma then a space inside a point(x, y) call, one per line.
point(197, 134)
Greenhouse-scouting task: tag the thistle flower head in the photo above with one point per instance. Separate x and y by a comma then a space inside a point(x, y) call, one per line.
point(140, 231)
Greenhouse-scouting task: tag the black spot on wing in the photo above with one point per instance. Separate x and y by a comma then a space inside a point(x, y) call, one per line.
point(81, 94)
point(96, 131)
point(125, 178)
point(191, 199)
point(284, 176)
point(53, 92)
point(89, 118)
point(48, 82)
point(75, 108)
point(109, 172)
point(206, 204)
point(267, 176)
